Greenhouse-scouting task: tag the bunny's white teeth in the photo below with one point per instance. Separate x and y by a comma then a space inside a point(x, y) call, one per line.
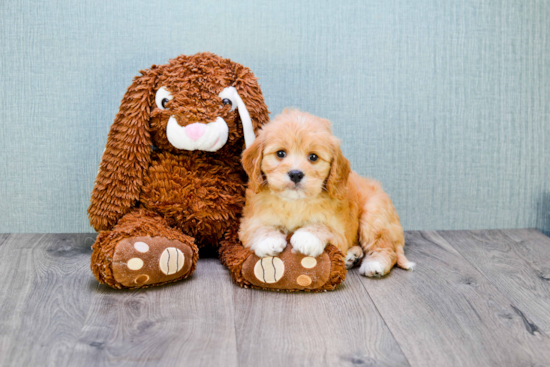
point(209, 137)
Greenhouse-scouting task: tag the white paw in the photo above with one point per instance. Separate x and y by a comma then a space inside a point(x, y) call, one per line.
point(354, 255)
point(269, 246)
point(410, 266)
point(373, 268)
point(307, 243)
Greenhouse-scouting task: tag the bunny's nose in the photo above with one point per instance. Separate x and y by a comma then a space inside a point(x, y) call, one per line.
point(296, 176)
point(195, 131)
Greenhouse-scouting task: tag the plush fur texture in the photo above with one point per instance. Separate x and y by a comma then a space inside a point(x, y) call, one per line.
point(147, 187)
point(327, 204)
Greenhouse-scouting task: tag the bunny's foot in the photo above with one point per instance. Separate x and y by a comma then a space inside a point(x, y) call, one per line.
point(288, 271)
point(142, 251)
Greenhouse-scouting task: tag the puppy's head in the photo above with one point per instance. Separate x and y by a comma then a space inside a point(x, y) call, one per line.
point(297, 157)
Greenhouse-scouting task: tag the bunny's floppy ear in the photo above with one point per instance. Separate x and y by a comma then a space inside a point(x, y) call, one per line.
point(339, 172)
point(250, 102)
point(248, 131)
point(126, 157)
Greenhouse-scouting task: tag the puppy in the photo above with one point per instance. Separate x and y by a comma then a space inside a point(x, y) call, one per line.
point(300, 183)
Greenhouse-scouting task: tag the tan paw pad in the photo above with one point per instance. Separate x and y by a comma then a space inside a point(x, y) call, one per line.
point(309, 262)
point(269, 269)
point(141, 247)
point(303, 280)
point(141, 279)
point(171, 261)
point(135, 263)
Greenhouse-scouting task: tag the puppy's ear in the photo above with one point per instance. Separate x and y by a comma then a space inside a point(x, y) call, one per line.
point(339, 172)
point(126, 157)
point(249, 90)
point(252, 164)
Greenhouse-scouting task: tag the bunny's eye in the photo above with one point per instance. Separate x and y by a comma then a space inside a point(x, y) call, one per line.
point(229, 97)
point(162, 98)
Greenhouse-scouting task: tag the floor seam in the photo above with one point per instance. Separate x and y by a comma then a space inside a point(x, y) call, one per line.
point(384, 320)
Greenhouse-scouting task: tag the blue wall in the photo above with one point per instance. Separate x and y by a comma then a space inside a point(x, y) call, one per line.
point(445, 102)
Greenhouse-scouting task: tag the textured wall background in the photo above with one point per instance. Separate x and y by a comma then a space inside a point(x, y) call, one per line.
point(445, 102)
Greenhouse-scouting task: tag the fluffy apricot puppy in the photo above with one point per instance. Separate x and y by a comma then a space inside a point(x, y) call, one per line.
point(301, 184)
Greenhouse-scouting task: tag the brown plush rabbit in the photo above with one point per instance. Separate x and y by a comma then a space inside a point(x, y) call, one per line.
point(171, 177)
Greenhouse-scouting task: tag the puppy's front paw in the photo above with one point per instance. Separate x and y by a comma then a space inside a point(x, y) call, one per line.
point(373, 268)
point(307, 243)
point(269, 246)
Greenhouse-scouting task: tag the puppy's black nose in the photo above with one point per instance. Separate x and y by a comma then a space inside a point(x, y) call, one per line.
point(296, 176)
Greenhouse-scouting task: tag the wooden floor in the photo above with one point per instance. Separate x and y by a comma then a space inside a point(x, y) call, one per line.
point(477, 298)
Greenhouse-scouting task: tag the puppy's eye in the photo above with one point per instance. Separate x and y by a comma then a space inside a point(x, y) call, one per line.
point(281, 154)
point(313, 157)
point(227, 101)
point(162, 98)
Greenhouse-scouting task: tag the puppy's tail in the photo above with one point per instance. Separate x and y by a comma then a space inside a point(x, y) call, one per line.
point(402, 261)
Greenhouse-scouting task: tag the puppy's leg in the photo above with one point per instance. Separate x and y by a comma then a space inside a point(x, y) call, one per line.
point(311, 240)
point(402, 261)
point(354, 256)
point(380, 233)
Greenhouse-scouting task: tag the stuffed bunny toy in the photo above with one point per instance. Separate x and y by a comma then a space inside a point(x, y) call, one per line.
point(171, 180)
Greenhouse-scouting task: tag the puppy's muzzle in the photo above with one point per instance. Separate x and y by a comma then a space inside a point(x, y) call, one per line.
point(296, 176)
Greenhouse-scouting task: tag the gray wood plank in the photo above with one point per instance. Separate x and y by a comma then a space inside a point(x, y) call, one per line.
point(188, 323)
point(517, 262)
point(310, 329)
point(477, 298)
point(446, 313)
point(44, 297)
